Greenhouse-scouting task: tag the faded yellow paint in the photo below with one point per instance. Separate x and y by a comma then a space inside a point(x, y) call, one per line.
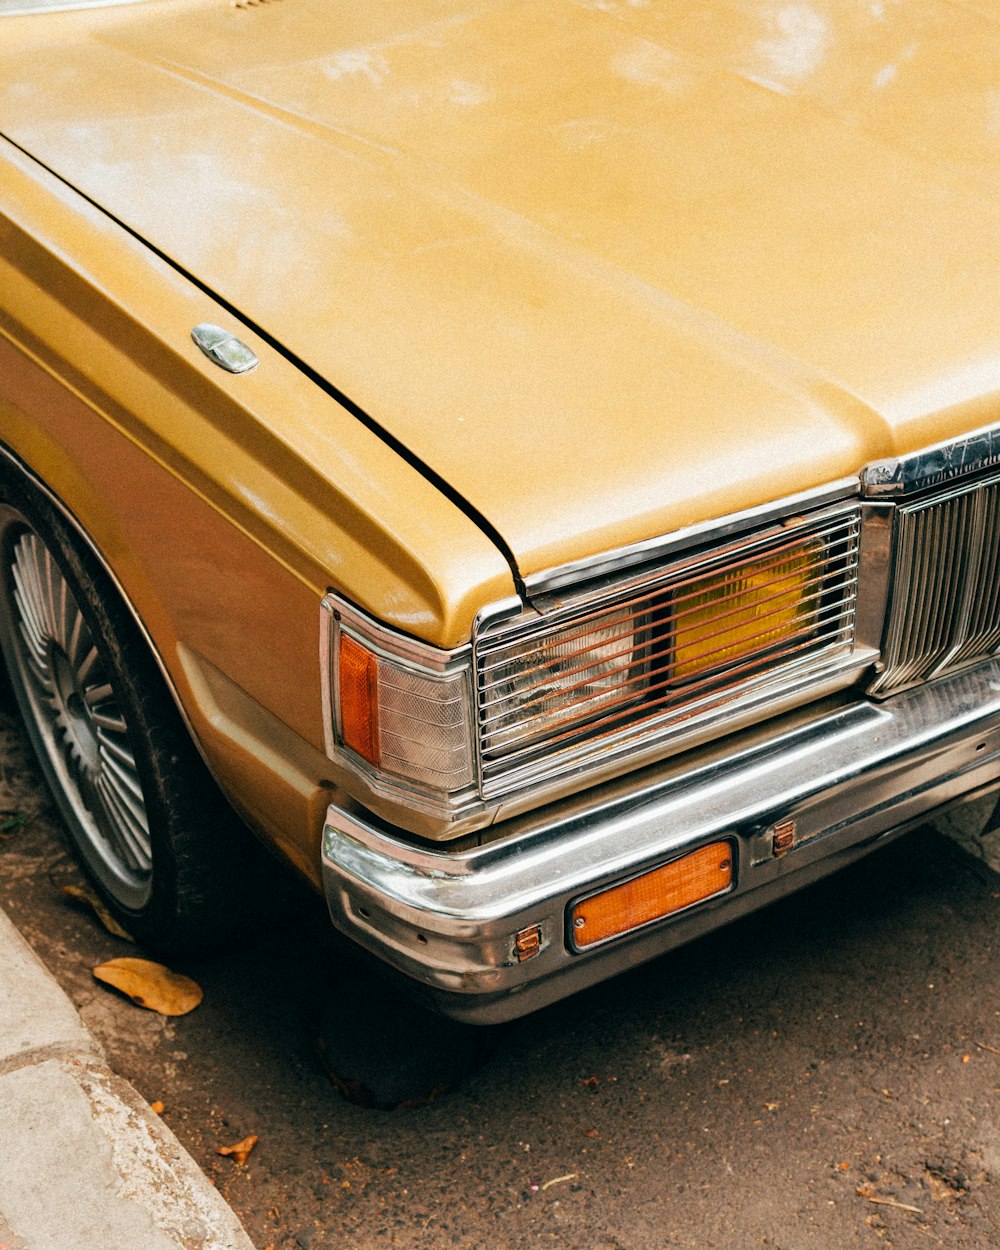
point(609, 268)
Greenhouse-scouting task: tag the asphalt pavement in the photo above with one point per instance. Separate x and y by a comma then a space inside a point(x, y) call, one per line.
point(85, 1163)
point(823, 1074)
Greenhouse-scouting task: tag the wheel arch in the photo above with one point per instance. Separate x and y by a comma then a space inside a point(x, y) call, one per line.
point(13, 464)
point(272, 777)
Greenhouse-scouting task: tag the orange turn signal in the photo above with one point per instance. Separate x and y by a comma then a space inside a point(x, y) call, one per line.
point(358, 673)
point(695, 877)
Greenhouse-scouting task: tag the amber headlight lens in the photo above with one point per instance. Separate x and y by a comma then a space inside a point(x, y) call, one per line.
point(740, 613)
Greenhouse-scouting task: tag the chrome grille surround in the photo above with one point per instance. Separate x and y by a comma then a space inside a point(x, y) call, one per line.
point(944, 597)
point(955, 459)
point(531, 734)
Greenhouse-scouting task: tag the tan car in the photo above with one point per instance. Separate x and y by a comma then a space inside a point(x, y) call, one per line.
point(538, 462)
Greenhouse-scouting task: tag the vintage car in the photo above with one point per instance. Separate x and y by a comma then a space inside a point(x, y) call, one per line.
point(538, 464)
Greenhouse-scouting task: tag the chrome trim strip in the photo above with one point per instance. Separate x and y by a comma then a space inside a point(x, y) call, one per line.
point(651, 550)
point(326, 617)
point(223, 348)
point(847, 779)
point(934, 465)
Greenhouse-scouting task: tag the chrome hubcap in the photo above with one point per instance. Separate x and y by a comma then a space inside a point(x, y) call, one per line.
point(77, 722)
point(73, 714)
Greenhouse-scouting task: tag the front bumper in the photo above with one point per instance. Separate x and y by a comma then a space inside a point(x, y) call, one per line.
point(847, 779)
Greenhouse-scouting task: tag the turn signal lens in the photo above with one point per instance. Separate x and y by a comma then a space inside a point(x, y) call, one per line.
point(402, 721)
point(743, 611)
point(358, 672)
point(695, 877)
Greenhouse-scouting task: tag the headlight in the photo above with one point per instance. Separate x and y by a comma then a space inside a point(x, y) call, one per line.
point(593, 667)
point(668, 652)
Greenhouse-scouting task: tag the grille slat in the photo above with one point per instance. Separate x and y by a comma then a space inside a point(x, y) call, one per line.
point(984, 615)
point(632, 661)
point(944, 605)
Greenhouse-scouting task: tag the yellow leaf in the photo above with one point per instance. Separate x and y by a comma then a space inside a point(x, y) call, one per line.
point(240, 1152)
point(151, 985)
point(83, 895)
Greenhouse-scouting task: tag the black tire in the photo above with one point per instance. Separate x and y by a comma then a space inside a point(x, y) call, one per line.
point(148, 823)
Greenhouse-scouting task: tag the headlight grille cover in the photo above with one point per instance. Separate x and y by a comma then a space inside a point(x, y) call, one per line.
point(638, 657)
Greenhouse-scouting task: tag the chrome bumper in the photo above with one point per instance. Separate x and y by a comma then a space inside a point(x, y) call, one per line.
point(846, 779)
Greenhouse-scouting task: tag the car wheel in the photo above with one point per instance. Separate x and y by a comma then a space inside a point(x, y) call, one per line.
point(147, 822)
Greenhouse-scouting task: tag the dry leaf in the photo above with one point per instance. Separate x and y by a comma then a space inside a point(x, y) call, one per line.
point(151, 985)
point(241, 1151)
point(870, 1194)
point(83, 895)
point(559, 1180)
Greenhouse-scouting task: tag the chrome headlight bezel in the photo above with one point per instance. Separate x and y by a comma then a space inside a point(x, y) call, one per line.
point(691, 713)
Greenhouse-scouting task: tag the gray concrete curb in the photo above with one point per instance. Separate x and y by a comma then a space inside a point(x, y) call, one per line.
point(84, 1163)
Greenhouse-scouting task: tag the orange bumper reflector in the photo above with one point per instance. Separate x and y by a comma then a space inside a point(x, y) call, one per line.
point(655, 894)
point(528, 942)
point(358, 673)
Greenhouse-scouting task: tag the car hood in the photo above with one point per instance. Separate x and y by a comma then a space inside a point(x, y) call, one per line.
point(608, 268)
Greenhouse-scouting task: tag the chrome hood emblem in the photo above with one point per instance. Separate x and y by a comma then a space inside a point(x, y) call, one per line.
point(223, 348)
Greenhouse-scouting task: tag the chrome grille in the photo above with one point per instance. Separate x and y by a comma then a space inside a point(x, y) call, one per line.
point(639, 659)
point(944, 606)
